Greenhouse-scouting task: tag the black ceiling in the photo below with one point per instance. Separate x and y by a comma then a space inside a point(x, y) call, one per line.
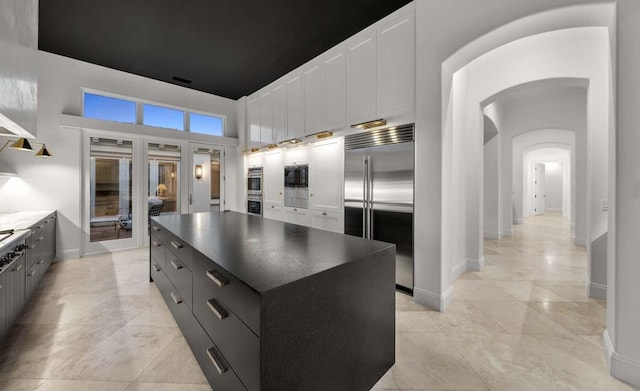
point(228, 48)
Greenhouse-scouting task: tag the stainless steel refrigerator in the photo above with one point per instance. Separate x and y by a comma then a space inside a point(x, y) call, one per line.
point(378, 175)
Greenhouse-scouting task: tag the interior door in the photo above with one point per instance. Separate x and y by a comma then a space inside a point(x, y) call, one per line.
point(206, 179)
point(538, 189)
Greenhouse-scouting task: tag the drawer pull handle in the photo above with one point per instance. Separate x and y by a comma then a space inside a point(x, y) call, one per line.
point(46, 221)
point(217, 278)
point(40, 239)
point(40, 261)
point(176, 299)
point(324, 213)
point(217, 309)
point(157, 244)
point(157, 229)
point(295, 209)
point(217, 360)
point(32, 246)
point(156, 267)
point(176, 245)
point(17, 269)
point(31, 273)
point(40, 226)
point(176, 264)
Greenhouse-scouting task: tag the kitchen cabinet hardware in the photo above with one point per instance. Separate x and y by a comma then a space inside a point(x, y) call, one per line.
point(217, 309)
point(40, 226)
point(295, 209)
point(157, 229)
point(31, 246)
point(218, 278)
point(40, 239)
point(46, 221)
point(176, 299)
point(176, 245)
point(156, 244)
point(156, 267)
point(324, 213)
point(176, 264)
point(217, 360)
point(31, 273)
point(17, 268)
point(40, 261)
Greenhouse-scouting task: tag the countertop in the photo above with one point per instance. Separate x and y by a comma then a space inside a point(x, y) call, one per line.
point(263, 253)
point(22, 220)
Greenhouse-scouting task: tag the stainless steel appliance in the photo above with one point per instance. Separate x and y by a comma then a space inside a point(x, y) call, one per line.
point(379, 172)
point(254, 181)
point(296, 186)
point(254, 205)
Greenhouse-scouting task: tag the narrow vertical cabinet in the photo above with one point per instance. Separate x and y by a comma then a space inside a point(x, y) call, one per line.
point(312, 81)
point(295, 107)
point(334, 89)
point(253, 112)
point(266, 118)
point(279, 104)
point(361, 78)
point(396, 40)
point(273, 179)
point(326, 179)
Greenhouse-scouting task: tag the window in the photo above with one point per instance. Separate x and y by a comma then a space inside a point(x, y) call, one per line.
point(162, 117)
point(206, 124)
point(108, 108)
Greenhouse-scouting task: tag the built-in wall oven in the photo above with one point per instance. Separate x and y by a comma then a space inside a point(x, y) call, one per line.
point(254, 181)
point(254, 205)
point(296, 186)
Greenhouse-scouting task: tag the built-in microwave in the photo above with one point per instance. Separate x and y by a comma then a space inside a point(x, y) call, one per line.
point(254, 181)
point(296, 176)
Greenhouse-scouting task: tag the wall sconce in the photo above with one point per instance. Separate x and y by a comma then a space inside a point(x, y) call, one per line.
point(22, 144)
point(198, 171)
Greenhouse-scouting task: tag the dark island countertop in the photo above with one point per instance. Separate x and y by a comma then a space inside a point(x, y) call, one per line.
point(263, 253)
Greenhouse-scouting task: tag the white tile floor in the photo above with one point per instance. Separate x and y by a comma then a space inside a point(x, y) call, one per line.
point(523, 323)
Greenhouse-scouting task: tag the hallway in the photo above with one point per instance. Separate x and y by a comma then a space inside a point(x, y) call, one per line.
point(523, 323)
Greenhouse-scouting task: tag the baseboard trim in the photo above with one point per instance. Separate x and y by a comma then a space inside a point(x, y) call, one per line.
point(458, 270)
point(506, 232)
point(519, 221)
point(475, 265)
point(580, 242)
point(433, 300)
point(554, 209)
point(492, 235)
point(72, 253)
point(623, 368)
point(597, 291)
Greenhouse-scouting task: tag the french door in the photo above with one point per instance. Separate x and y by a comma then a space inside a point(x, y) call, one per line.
point(206, 178)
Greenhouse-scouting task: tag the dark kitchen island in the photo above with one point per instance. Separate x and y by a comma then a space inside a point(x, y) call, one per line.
point(267, 305)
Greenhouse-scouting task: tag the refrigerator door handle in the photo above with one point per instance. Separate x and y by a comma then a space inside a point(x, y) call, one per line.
point(370, 198)
point(365, 186)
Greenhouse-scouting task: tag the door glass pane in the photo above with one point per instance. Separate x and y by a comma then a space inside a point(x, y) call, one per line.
point(164, 179)
point(111, 190)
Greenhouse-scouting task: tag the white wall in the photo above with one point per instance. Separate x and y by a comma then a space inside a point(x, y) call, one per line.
point(55, 183)
point(553, 184)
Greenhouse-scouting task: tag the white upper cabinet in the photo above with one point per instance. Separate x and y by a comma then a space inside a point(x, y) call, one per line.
point(279, 100)
point(396, 64)
point(255, 160)
point(295, 107)
point(253, 112)
point(266, 118)
point(312, 81)
point(295, 156)
point(361, 78)
point(325, 175)
point(273, 178)
point(334, 93)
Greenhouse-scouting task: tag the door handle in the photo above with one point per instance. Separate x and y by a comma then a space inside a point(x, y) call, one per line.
point(190, 199)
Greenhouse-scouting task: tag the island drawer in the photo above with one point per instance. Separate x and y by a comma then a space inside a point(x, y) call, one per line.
point(157, 275)
point(157, 251)
point(239, 345)
point(160, 232)
point(179, 276)
point(180, 249)
point(236, 296)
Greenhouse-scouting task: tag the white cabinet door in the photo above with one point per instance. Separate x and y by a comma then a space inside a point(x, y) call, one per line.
point(279, 100)
point(266, 118)
point(298, 216)
point(296, 156)
point(273, 178)
point(396, 65)
point(254, 160)
point(334, 70)
point(312, 79)
point(325, 176)
point(295, 114)
point(253, 112)
point(361, 78)
point(328, 221)
point(274, 212)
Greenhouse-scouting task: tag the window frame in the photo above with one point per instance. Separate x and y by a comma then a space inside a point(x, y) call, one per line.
point(140, 112)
